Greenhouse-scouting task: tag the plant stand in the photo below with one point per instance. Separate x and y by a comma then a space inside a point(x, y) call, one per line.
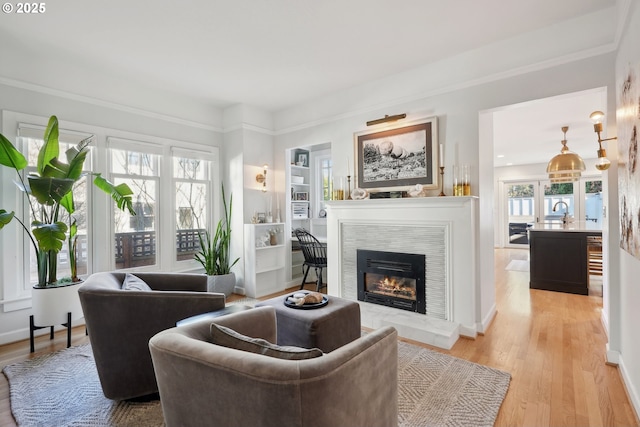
point(33, 327)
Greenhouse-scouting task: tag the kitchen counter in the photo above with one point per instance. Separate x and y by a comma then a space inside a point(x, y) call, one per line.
point(559, 259)
point(576, 226)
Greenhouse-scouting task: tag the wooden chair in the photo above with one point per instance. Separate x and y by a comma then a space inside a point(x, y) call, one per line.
point(315, 255)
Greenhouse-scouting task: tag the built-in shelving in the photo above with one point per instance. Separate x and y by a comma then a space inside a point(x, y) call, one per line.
point(264, 252)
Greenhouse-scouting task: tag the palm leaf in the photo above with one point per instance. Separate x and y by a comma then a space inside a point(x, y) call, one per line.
point(121, 194)
point(9, 156)
point(49, 191)
point(50, 148)
point(50, 237)
point(5, 217)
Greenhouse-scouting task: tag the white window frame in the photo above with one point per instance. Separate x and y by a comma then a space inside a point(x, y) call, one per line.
point(15, 291)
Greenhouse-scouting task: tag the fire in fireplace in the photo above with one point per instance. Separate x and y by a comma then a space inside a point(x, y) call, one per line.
point(393, 279)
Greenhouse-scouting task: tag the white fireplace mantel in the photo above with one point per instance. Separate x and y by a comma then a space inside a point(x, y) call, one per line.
point(442, 228)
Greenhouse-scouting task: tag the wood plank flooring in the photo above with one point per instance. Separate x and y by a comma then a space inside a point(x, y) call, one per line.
point(553, 344)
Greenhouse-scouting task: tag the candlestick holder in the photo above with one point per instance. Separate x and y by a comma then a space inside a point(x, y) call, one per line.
point(441, 181)
point(348, 187)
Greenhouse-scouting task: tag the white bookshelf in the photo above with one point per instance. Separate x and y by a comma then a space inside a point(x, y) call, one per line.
point(264, 263)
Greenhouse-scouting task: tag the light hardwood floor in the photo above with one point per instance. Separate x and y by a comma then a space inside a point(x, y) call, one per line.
point(553, 345)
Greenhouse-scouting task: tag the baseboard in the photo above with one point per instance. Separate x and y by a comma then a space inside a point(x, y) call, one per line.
point(612, 356)
point(632, 392)
point(488, 319)
point(22, 334)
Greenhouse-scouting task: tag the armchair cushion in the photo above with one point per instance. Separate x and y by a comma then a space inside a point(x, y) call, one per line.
point(134, 283)
point(226, 337)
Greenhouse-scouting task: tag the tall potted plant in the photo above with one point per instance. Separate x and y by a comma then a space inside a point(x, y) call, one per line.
point(214, 253)
point(47, 190)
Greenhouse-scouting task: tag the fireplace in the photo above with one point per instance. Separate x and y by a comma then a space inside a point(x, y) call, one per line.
point(392, 279)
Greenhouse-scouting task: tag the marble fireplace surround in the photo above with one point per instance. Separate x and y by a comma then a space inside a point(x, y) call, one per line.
point(441, 228)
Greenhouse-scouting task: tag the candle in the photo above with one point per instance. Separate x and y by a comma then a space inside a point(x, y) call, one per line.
point(441, 155)
point(348, 172)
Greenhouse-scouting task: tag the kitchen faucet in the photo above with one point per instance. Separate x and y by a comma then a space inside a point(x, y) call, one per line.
point(565, 219)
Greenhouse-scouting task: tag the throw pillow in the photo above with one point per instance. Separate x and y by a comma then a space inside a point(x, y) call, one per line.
point(134, 283)
point(227, 337)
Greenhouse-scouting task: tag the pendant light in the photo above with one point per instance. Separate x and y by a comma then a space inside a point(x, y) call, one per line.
point(566, 166)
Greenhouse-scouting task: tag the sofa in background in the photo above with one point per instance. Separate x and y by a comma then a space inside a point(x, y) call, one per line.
point(122, 315)
point(202, 383)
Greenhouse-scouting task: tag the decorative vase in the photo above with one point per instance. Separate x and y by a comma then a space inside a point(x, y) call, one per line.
point(223, 284)
point(51, 305)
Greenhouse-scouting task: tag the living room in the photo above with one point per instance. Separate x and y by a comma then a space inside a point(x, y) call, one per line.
point(117, 98)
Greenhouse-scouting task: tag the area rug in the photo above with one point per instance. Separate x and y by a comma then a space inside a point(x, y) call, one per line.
point(63, 389)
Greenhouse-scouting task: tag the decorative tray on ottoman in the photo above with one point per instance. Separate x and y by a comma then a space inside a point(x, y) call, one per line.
point(310, 306)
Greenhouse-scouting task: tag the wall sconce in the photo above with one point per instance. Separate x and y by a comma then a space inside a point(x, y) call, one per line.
point(603, 163)
point(566, 166)
point(262, 178)
point(386, 119)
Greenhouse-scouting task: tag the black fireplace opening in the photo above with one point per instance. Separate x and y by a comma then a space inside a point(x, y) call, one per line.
point(393, 279)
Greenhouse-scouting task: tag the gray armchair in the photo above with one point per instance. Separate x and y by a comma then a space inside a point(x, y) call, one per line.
point(202, 383)
point(120, 322)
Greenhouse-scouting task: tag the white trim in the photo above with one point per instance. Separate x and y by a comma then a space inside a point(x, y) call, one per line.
point(134, 145)
point(634, 397)
point(107, 104)
point(484, 325)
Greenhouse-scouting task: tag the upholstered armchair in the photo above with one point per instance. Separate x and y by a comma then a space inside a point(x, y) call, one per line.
point(202, 383)
point(122, 312)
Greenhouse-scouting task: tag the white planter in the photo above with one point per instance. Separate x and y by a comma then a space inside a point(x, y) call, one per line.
point(223, 284)
point(51, 305)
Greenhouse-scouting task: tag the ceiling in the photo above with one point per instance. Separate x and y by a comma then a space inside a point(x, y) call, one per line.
point(531, 132)
point(277, 54)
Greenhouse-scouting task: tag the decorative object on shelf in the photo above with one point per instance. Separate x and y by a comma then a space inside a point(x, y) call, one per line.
point(296, 179)
point(337, 188)
point(398, 158)
point(301, 196)
point(417, 190)
point(322, 213)
point(359, 194)
point(603, 163)
point(214, 254)
point(277, 215)
point(262, 178)
point(386, 119)
point(566, 166)
point(302, 157)
point(47, 190)
point(273, 238)
point(441, 181)
point(461, 180)
point(300, 210)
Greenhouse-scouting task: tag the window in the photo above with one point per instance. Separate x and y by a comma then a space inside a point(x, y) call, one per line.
point(135, 236)
point(323, 180)
point(192, 203)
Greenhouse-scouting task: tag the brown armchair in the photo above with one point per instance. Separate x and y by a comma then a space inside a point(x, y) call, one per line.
point(202, 383)
point(121, 321)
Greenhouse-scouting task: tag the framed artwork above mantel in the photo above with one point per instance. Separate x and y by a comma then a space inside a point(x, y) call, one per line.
point(398, 158)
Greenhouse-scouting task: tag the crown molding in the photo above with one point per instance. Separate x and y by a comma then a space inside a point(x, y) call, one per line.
point(106, 104)
point(247, 126)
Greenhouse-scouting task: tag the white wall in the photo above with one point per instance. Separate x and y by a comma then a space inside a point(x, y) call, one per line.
point(629, 290)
